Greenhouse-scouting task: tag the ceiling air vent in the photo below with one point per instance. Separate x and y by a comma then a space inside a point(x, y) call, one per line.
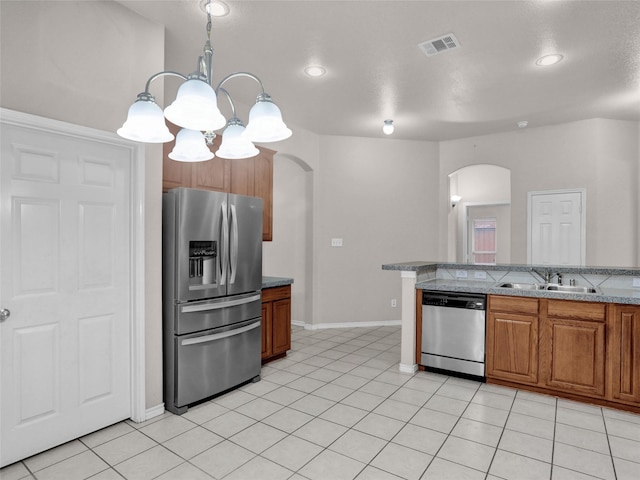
point(439, 45)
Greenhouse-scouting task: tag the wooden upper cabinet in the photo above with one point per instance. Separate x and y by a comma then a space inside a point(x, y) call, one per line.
point(574, 346)
point(263, 188)
point(249, 176)
point(623, 353)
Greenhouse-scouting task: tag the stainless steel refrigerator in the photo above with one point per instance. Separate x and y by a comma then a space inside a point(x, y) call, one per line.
point(212, 280)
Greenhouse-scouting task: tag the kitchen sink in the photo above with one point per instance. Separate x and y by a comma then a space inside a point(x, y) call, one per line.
point(523, 286)
point(550, 287)
point(571, 289)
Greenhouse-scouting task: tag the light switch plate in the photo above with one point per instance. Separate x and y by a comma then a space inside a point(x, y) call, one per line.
point(336, 242)
point(461, 274)
point(482, 275)
point(636, 282)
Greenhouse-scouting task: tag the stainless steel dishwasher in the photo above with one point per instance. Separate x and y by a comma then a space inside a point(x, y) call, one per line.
point(453, 332)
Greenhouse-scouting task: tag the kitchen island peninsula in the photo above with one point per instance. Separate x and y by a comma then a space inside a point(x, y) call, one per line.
point(572, 332)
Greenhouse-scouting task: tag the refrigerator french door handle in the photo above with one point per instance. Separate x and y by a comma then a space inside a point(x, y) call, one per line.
point(223, 254)
point(233, 244)
point(218, 305)
point(219, 336)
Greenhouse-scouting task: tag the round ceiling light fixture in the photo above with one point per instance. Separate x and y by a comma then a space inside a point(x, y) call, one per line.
point(215, 8)
point(548, 60)
point(522, 123)
point(315, 70)
point(388, 127)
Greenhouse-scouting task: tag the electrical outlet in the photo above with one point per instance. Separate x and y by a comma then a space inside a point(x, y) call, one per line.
point(336, 242)
point(636, 282)
point(479, 274)
point(394, 303)
point(461, 274)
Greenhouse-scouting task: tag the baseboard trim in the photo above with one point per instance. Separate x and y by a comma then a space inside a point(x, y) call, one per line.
point(153, 412)
point(320, 326)
point(408, 368)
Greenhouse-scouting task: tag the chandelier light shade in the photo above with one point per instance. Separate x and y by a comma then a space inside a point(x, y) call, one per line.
point(195, 109)
point(265, 122)
point(190, 147)
point(145, 122)
point(234, 144)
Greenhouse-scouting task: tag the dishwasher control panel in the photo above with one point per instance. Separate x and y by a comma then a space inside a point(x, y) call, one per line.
point(454, 300)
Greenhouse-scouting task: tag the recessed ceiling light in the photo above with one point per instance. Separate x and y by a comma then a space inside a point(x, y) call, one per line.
point(315, 70)
point(549, 60)
point(523, 123)
point(215, 8)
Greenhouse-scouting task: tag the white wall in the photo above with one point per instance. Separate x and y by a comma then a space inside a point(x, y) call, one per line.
point(375, 194)
point(378, 196)
point(83, 63)
point(599, 155)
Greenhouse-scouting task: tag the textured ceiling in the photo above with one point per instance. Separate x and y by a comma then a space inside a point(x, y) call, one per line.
point(375, 69)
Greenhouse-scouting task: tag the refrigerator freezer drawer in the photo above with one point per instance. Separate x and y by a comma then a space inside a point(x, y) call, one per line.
point(215, 361)
point(207, 314)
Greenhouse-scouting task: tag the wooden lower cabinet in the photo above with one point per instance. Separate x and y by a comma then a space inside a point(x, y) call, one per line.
point(586, 351)
point(573, 346)
point(623, 353)
point(276, 322)
point(512, 339)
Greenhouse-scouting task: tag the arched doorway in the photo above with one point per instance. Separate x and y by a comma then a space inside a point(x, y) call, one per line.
point(479, 220)
point(290, 253)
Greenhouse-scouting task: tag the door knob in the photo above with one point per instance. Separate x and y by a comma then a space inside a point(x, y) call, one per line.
point(4, 314)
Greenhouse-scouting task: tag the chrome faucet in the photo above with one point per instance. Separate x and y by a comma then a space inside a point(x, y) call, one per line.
point(545, 274)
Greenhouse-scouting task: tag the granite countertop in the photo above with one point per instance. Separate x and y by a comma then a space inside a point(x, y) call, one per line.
point(428, 266)
point(605, 295)
point(271, 282)
point(613, 283)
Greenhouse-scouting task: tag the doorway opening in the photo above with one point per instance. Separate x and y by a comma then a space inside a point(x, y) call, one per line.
point(479, 221)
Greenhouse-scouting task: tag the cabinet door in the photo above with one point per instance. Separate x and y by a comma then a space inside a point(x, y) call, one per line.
point(574, 346)
point(243, 176)
point(281, 326)
point(623, 352)
point(263, 188)
point(267, 330)
point(576, 356)
point(512, 347)
point(213, 174)
point(254, 177)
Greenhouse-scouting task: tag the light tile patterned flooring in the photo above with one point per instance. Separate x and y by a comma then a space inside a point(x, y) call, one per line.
point(338, 409)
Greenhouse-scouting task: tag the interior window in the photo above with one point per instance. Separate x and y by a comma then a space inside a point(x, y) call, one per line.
point(484, 241)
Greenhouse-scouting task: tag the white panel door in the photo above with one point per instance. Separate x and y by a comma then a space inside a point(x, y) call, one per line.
point(556, 226)
point(65, 277)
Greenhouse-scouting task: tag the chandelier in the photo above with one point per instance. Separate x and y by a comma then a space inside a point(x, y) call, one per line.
point(195, 110)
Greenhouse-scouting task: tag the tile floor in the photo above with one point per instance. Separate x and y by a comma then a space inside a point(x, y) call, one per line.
point(338, 409)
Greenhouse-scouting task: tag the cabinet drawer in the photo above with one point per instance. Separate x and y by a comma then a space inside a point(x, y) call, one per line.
point(276, 293)
point(499, 303)
point(578, 310)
